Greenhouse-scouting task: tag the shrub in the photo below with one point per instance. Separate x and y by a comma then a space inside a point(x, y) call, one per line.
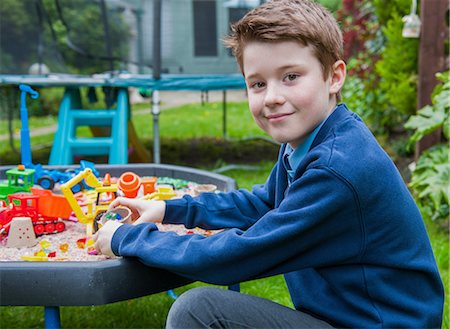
point(398, 68)
point(382, 65)
point(430, 182)
point(430, 179)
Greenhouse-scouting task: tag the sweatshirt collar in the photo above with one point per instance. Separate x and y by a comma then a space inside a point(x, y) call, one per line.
point(292, 158)
point(340, 112)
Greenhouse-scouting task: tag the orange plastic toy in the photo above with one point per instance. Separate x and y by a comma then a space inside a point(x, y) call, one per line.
point(148, 184)
point(129, 183)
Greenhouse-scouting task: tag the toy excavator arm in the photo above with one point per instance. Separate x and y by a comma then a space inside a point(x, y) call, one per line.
point(66, 188)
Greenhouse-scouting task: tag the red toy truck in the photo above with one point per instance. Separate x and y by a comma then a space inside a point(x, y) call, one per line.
point(43, 207)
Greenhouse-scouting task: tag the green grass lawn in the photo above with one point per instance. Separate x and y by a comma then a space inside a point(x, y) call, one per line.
point(194, 121)
point(185, 122)
point(188, 121)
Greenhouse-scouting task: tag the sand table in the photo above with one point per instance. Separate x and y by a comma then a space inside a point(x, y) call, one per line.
point(73, 245)
point(63, 245)
point(70, 245)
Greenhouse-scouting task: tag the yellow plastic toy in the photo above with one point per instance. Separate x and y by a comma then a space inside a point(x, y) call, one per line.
point(93, 209)
point(162, 193)
point(35, 258)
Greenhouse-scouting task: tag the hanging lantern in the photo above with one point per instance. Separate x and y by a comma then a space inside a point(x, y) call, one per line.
point(411, 27)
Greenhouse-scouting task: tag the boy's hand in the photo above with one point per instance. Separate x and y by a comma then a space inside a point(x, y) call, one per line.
point(104, 236)
point(142, 211)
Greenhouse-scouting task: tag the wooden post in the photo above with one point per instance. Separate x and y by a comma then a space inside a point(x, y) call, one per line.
point(434, 32)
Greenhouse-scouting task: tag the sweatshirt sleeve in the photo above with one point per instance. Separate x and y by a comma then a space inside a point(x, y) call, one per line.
point(302, 232)
point(235, 209)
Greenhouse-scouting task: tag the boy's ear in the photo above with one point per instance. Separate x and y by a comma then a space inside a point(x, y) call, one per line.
point(338, 74)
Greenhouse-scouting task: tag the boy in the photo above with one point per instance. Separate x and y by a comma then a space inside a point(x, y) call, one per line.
point(334, 216)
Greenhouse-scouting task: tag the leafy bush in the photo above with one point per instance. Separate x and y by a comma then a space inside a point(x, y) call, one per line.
point(433, 117)
point(381, 63)
point(332, 5)
point(398, 68)
point(363, 42)
point(430, 179)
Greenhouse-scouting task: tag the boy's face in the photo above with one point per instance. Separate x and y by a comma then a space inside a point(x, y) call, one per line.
point(287, 93)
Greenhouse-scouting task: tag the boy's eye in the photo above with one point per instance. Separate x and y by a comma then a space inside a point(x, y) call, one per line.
point(258, 85)
point(291, 77)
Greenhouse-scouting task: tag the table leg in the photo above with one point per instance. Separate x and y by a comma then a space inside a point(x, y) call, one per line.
point(235, 287)
point(52, 317)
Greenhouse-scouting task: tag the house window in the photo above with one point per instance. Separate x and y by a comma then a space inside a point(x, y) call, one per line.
point(235, 14)
point(205, 28)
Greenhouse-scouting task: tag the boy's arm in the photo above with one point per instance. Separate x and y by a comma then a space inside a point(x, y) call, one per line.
point(308, 229)
point(238, 209)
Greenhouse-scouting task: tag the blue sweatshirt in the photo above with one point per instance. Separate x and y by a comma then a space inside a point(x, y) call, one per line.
point(345, 233)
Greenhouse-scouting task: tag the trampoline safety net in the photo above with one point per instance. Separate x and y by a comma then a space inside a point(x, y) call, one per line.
point(86, 37)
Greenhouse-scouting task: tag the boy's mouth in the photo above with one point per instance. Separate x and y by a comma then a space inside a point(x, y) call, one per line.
point(277, 117)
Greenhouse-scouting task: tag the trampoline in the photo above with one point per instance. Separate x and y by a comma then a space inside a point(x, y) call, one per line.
point(61, 155)
point(202, 82)
point(173, 45)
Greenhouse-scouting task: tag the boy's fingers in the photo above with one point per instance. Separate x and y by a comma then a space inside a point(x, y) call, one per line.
point(97, 247)
point(113, 204)
point(120, 201)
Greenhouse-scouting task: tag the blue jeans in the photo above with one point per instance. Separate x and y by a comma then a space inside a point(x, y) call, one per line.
point(208, 307)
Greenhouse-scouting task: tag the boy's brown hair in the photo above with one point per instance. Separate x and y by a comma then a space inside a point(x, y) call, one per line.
point(289, 20)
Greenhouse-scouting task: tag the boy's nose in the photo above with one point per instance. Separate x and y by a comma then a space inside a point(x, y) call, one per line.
point(273, 96)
